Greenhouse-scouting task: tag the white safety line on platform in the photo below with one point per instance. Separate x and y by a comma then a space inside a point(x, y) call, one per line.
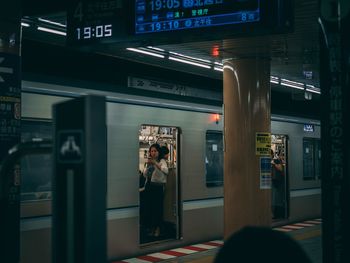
point(205, 246)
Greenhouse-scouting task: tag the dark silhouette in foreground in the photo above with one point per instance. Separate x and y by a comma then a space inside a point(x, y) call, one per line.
point(263, 244)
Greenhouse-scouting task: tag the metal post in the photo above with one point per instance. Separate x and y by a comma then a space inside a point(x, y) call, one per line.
point(335, 85)
point(10, 116)
point(80, 181)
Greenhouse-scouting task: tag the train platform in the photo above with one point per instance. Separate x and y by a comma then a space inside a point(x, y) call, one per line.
point(307, 233)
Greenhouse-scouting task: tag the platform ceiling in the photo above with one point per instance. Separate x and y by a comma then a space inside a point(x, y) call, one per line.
point(291, 54)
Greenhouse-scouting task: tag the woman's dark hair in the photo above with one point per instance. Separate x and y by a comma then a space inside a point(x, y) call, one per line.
point(157, 147)
point(252, 243)
point(164, 151)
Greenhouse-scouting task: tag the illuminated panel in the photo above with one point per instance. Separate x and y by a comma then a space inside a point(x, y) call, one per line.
point(90, 21)
point(169, 15)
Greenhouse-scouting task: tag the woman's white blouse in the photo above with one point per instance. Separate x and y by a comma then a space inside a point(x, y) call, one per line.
point(159, 175)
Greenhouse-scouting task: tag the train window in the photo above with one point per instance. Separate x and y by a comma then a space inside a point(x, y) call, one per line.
point(36, 170)
point(214, 159)
point(311, 158)
point(158, 177)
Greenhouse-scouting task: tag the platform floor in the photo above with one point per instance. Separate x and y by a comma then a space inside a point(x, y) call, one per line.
point(307, 233)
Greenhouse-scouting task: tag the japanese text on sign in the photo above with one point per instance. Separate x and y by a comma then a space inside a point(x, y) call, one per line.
point(263, 143)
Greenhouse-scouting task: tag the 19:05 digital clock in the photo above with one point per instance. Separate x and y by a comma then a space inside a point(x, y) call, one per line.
point(94, 21)
point(157, 5)
point(89, 32)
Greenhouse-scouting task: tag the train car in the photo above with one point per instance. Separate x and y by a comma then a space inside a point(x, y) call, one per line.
point(194, 188)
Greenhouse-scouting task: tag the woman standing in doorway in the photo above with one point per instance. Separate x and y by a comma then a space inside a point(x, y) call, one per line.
point(278, 181)
point(155, 171)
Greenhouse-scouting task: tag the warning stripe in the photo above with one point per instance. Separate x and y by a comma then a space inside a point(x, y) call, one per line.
point(184, 251)
point(174, 253)
point(149, 258)
point(161, 255)
point(198, 249)
point(204, 246)
point(303, 224)
point(293, 227)
point(221, 242)
point(214, 244)
point(297, 226)
point(282, 229)
point(313, 222)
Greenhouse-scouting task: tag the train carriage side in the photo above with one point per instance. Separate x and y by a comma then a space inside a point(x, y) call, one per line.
point(123, 124)
point(198, 199)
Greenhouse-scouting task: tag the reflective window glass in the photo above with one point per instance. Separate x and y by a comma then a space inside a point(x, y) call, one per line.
point(214, 159)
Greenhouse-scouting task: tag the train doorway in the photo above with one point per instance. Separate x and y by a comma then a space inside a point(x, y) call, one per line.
point(280, 186)
point(159, 211)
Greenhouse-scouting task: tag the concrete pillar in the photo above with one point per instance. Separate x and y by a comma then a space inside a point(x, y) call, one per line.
point(247, 194)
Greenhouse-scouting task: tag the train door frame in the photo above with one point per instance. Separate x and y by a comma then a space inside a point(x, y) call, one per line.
point(169, 136)
point(285, 158)
point(179, 207)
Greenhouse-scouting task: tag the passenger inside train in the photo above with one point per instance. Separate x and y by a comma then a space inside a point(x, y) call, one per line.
point(155, 172)
point(157, 188)
point(280, 177)
point(278, 186)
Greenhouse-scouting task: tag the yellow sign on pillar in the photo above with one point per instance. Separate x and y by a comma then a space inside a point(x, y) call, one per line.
point(262, 143)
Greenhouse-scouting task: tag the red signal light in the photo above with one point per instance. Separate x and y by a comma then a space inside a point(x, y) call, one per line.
point(215, 52)
point(217, 118)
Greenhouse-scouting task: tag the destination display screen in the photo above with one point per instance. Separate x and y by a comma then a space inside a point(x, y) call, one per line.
point(169, 15)
point(126, 23)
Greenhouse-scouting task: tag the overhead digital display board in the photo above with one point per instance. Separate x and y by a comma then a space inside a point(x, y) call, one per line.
point(169, 15)
point(157, 22)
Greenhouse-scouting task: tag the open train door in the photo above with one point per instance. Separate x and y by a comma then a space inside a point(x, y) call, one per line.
point(280, 193)
point(170, 229)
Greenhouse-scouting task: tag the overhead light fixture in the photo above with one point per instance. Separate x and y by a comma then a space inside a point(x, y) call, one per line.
point(51, 22)
point(185, 57)
point(274, 79)
point(156, 48)
point(53, 31)
point(145, 52)
point(313, 89)
point(295, 84)
point(219, 69)
point(189, 62)
point(292, 84)
point(217, 66)
point(25, 24)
